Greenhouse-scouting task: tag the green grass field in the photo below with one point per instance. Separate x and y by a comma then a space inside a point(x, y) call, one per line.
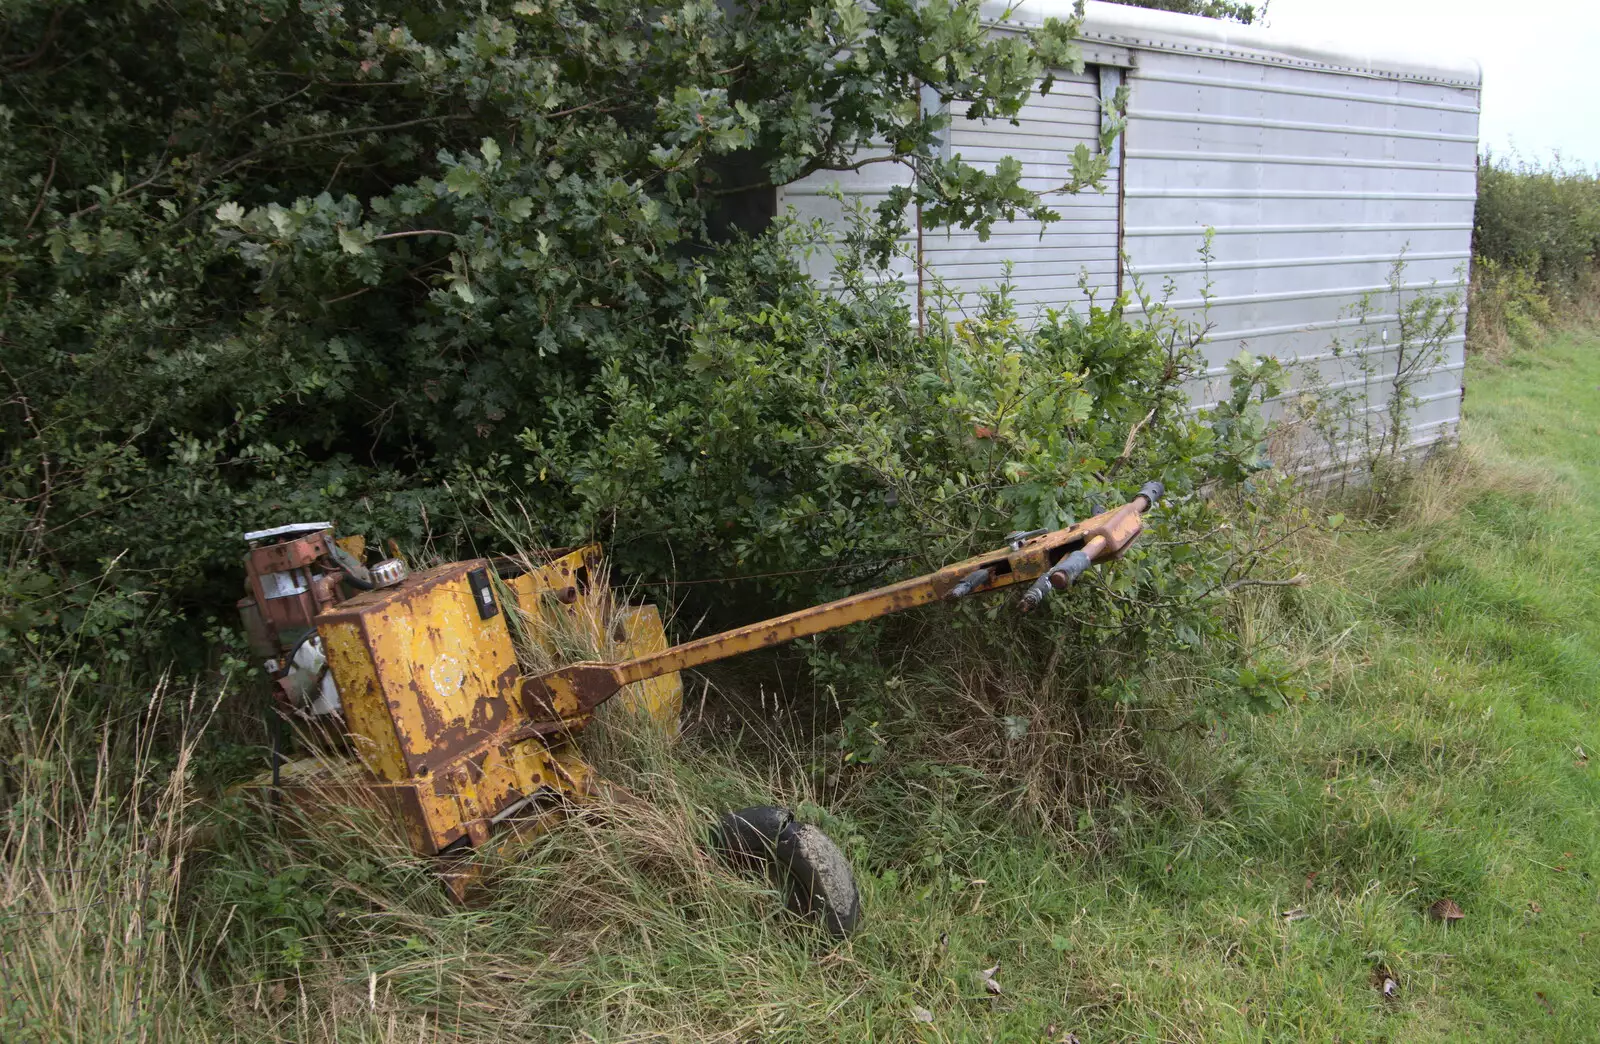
point(1456, 656)
point(1450, 749)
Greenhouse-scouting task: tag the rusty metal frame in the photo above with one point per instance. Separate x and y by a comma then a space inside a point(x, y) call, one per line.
point(571, 694)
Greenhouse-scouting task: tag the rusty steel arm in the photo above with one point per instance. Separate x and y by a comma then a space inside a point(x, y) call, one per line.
point(1050, 560)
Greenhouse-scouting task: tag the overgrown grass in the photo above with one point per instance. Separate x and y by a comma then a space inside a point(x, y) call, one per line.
point(94, 833)
point(1251, 878)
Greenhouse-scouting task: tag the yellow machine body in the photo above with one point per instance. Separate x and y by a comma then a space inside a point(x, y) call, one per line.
point(430, 688)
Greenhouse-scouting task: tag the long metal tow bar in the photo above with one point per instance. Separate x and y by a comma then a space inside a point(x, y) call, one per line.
point(1048, 561)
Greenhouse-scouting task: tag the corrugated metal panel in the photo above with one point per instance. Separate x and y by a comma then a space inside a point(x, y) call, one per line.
point(1048, 261)
point(1314, 182)
point(1316, 170)
point(813, 198)
point(1377, 57)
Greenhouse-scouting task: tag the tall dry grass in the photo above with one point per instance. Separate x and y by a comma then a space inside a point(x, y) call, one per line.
point(97, 826)
point(126, 915)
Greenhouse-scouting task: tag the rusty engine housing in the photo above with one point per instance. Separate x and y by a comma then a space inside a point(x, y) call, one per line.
point(428, 678)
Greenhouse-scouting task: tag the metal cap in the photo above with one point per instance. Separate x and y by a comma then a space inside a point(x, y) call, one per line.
point(388, 572)
point(291, 530)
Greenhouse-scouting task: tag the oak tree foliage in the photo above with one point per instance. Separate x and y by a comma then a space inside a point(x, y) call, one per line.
point(391, 261)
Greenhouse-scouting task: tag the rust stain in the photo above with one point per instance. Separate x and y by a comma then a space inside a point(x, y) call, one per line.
point(449, 742)
point(490, 713)
point(413, 590)
point(427, 710)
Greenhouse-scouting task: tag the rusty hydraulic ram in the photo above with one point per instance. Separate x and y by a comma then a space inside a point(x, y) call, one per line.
point(1052, 561)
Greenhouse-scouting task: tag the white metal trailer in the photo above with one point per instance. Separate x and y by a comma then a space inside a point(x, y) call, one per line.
point(1316, 168)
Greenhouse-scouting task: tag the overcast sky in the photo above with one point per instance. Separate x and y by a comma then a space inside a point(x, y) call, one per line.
point(1541, 59)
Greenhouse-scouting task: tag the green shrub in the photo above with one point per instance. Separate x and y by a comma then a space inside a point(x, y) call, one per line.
point(1541, 218)
point(268, 261)
point(387, 263)
point(1509, 307)
point(1536, 244)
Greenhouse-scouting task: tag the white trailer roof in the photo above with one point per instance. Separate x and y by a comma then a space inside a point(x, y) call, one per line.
point(1137, 28)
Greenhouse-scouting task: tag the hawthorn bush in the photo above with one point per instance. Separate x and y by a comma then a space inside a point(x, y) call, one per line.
point(1535, 246)
point(1539, 218)
point(1228, 10)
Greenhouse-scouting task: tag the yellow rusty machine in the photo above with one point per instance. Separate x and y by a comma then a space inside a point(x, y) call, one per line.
point(420, 671)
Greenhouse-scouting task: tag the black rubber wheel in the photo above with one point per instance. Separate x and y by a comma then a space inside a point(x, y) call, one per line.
point(816, 878)
point(821, 884)
point(748, 837)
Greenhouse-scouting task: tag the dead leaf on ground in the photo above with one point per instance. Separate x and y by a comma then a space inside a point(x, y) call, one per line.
point(1296, 914)
point(987, 979)
point(921, 1014)
point(1445, 910)
point(1534, 909)
point(1551, 1008)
